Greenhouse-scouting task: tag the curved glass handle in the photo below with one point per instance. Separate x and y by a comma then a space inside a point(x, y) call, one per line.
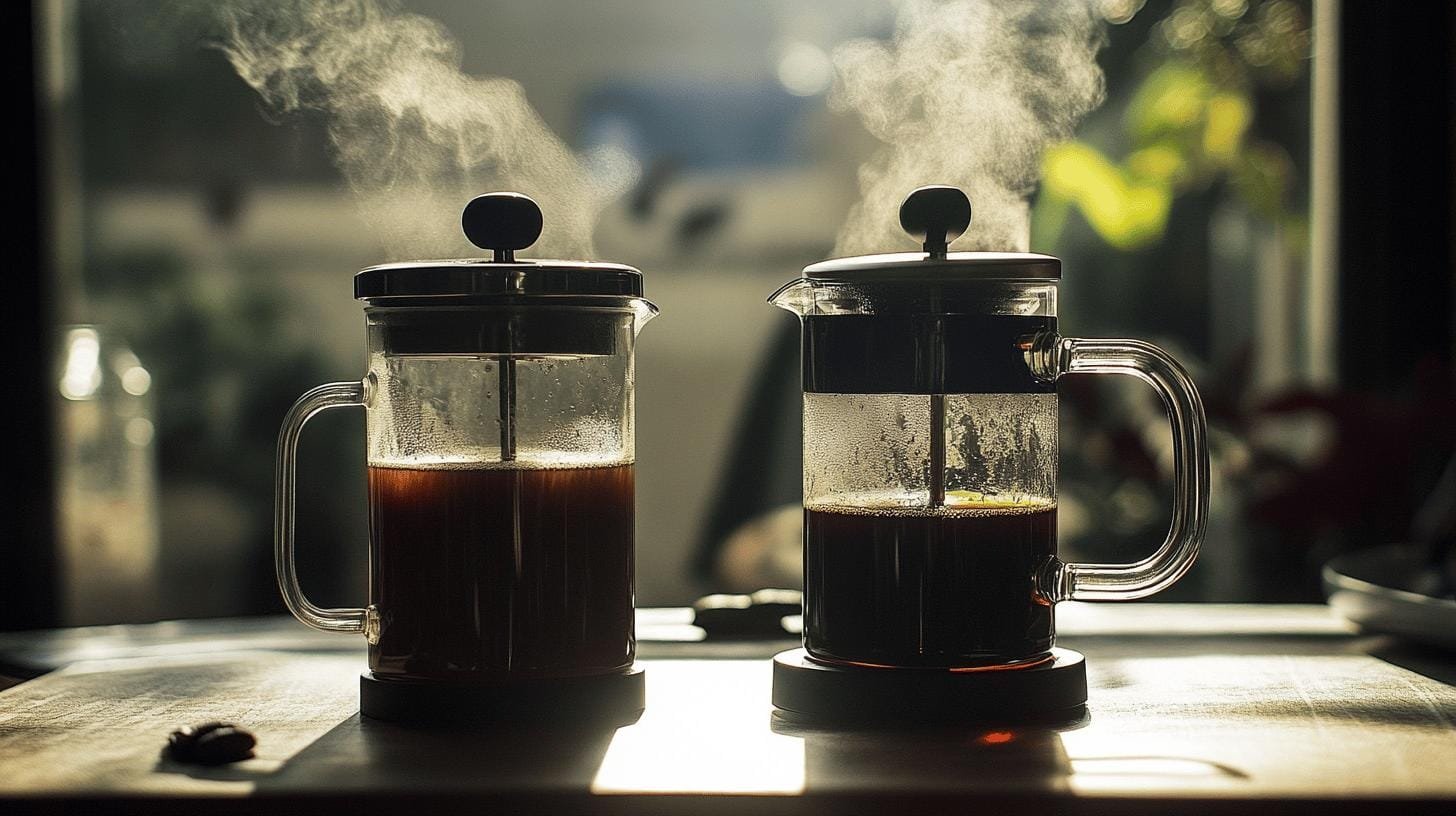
point(1051, 356)
point(322, 398)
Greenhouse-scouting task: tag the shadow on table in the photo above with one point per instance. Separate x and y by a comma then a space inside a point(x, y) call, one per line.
point(1427, 661)
point(215, 773)
point(361, 754)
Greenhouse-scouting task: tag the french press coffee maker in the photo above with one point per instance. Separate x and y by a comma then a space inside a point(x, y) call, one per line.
point(499, 416)
point(930, 480)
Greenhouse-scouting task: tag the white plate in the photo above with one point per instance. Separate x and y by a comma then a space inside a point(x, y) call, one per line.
point(1365, 588)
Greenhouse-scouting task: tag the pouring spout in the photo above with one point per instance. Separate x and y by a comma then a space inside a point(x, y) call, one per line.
point(796, 296)
point(644, 310)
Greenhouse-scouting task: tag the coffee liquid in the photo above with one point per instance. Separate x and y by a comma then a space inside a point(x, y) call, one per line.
point(501, 573)
point(947, 587)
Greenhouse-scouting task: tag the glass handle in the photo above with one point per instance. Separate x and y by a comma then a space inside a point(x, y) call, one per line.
point(322, 398)
point(1050, 356)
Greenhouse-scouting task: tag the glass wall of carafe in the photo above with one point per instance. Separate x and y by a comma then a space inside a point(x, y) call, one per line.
point(930, 470)
point(500, 434)
point(500, 441)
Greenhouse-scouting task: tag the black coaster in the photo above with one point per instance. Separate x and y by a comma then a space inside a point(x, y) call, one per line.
point(605, 698)
point(809, 691)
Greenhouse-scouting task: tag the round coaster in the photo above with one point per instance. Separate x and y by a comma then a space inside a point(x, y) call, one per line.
point(804, 689)
point(617, 698)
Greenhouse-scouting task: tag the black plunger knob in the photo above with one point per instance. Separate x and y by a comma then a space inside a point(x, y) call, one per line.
point(502, 222)
point(936, 215)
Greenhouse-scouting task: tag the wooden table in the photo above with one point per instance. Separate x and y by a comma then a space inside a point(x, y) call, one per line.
point(1199, 709)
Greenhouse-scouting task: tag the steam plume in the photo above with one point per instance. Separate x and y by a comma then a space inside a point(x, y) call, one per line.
point(413, 135)
point(970, 93)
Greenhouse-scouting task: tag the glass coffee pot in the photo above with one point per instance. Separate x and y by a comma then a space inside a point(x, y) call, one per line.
point(930, 454)
point(499, 417)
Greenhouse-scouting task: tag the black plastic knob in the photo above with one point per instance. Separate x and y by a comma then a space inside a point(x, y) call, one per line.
point(936, 215)
point(502, 222)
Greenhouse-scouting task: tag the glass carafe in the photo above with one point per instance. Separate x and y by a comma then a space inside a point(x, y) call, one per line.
point(930, 453)
point(499, 419)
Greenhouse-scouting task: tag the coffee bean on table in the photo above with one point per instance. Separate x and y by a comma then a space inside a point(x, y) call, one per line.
point(211, 743)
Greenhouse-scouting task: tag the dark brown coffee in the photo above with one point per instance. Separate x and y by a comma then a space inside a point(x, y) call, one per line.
point(944, 588)
point(497, 574)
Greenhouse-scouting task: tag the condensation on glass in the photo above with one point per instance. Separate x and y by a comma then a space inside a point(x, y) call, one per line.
point(873, 451)
point(521, 410)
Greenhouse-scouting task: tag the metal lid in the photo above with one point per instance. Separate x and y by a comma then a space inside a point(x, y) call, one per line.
point(502, 223)
point(936, 215)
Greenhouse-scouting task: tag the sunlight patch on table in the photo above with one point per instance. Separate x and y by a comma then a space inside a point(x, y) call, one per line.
point(665, 751)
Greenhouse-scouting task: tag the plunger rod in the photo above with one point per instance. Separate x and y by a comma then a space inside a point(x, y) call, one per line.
point(937, 450)
point(508, 409)
point(508, 398)
point(937, 404)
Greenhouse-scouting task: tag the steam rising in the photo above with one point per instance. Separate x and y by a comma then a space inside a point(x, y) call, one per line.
point(413, 135)
point(969, 93)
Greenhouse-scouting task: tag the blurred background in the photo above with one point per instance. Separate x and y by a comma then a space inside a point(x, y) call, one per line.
point(1266, 192)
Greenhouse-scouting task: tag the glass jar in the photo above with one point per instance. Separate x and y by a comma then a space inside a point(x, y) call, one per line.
point(930, 453)
point(499, 419)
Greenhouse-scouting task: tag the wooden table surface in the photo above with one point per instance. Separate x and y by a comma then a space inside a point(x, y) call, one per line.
point(1201, 709)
